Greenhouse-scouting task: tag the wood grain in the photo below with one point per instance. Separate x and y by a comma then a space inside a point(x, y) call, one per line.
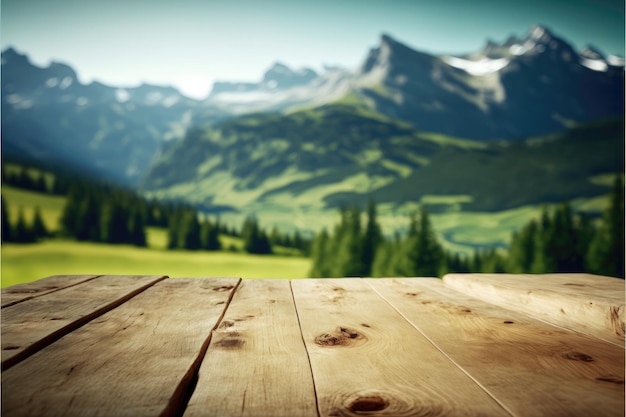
point(256, 364)
point(533, 368)
point(590, 304)
point(367, 359)
point(35, 323)
point(22, 292)
point(136, 360)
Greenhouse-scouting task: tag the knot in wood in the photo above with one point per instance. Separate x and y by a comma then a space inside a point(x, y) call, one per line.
point(226, 324)
point(327, 339)
point(341, 337)
point(349, 333)
point(223, 288)
point(368, 403)
point(612, 379)
point(578, 356)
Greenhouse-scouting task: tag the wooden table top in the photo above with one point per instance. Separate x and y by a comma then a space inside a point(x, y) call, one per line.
point(467, 345)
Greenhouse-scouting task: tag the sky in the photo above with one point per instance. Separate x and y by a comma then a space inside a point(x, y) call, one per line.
point(191, 43)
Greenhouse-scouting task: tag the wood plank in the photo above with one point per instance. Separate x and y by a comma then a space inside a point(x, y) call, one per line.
point(33, 324)
point(533, 368)
point(22, 292)
point(590, 304)
point(136, 360)
point(367, 359)
point(256, 364)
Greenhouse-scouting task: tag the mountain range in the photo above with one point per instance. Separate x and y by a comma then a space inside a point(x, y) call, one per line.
point(404, 127)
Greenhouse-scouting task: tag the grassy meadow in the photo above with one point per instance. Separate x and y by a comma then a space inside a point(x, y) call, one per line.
point(458, 231)
point(28, 262)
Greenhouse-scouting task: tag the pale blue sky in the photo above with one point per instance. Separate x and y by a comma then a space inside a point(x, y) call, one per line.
point(191, 43)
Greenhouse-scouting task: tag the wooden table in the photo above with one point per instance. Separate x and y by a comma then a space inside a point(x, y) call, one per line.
point(467, 345)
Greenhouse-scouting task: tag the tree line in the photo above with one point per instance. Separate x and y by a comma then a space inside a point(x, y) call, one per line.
point(560, 241)
point(104, 213)
point(22, 231)
point(35, 180)
point(100, 213)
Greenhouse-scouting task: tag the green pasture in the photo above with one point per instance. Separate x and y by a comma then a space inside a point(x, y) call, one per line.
point(51, 206)
point(458, 231)
point(25, 263)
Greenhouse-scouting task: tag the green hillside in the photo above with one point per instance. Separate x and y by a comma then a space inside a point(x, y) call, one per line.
point(322, 158)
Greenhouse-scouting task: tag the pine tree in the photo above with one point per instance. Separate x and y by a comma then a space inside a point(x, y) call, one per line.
point(255, 240)
point(522, 249)
point(136, 228)
point(69, 215)
point(112, 223)
point(476, 263)
point(349, 261)
point(190, 231)
point(565, 241)
point(5, 177)
point(371, 239)
point(542, 260)
point(320, 255)
point(615, 220)
point(209, 236)
point(39, 183)
point(423, 254)
point(22, 232)
point(383, 258)
point(7, 229)
point(88, 219)
point(38, 228)
point(275, 237)
point(606, 250)
point(174, 221)
point(453, 263)
point(585, 230)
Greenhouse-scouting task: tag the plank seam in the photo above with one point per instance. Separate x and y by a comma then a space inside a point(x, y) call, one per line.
point(58, 334)
point(49, 292)
point(306, 349)
point(500, 403)
point(179, 400)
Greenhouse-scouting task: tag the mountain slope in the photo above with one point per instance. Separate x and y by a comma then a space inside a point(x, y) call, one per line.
point(342, 154)
point(523, 87)
point(49, 116)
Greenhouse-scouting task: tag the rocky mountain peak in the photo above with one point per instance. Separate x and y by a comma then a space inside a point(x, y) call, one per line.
point(590, 52)
point(281, 76)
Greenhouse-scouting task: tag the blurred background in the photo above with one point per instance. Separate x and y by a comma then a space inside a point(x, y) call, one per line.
point(283, 139)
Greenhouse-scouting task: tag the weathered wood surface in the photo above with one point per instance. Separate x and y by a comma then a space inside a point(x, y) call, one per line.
point(152, 346)
point(22, 292)
point(33, 324)
point(590, 304)
point(137, 360)
point(366, 357)
point(256, 357)
point(533, 368)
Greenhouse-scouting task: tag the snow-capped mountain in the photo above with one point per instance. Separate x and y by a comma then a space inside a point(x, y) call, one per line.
point(524, 86)
point(521, 87)
point(281, 88)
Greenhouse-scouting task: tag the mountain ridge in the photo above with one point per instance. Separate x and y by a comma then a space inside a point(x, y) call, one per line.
point(508, 90)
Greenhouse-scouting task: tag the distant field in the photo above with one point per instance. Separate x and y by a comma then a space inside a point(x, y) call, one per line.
point(459, 231)
point(25, 263)
point(51, 206)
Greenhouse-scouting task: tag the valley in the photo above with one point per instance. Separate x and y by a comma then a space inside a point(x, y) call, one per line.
point(483, 141)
